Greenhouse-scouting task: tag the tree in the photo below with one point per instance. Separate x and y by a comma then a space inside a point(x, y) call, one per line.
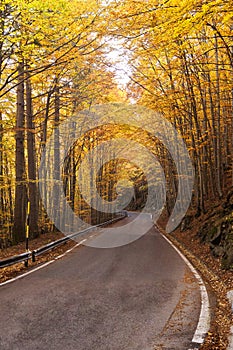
point(20, 169)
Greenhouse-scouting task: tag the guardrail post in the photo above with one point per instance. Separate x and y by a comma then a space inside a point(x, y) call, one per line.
point(33, 256)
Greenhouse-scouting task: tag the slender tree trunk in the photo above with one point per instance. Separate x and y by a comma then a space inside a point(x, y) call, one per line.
point(194, 114)
point(21, 189)
point(32, 171)
point(2, 206)
point(57, 152)
point(232, 135)
point(2, 23)
point(43, 149)
point(218, 157)
point(9, 196)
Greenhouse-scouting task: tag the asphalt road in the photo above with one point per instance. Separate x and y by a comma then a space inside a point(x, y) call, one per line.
point(140, 296)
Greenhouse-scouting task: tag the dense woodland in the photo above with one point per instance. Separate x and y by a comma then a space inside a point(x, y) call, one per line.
point(55, 60)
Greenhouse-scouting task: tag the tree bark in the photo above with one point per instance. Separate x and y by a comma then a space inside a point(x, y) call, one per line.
point(21, 189)
point(1, 175)
point(56, 170)
point(218, 157)
point(32, 171)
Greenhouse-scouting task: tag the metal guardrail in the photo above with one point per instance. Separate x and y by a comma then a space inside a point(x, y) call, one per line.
point(44, 249)
point(15, 259)
point(48, 247)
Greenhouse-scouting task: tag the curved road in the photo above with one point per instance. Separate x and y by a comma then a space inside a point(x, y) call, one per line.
point(140, 296)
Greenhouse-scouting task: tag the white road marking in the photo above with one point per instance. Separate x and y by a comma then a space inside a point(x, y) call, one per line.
point(41, 266)
point(44, 265)
point(204, 318)
point(26, 273)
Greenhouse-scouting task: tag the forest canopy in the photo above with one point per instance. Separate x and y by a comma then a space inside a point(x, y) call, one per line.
point(58, 58)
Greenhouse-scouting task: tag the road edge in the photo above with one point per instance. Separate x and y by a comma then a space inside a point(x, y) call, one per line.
point(222, 309)
point(204, 317)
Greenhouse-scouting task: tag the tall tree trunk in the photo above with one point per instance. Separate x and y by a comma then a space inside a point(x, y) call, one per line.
point(57, 175)
point(232, 135)
point(21, 189)
point(197, 128)
point(9, 196)
point(32, 171)
point(43, 149)
point(2, 22)
point(218, 158)
point(1, 175)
